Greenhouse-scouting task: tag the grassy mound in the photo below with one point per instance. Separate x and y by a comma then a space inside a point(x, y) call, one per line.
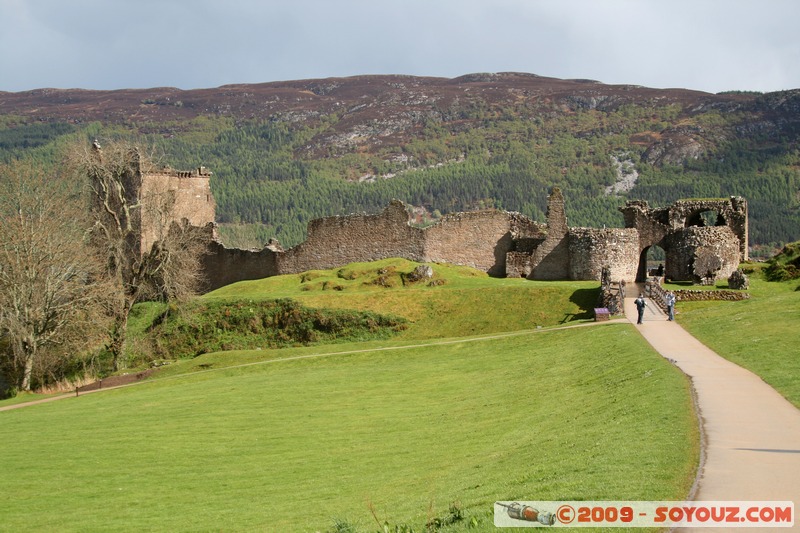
point(360, 301)
point(298, 440)
point(786, 265)
point(211, 326)
point(456, 301)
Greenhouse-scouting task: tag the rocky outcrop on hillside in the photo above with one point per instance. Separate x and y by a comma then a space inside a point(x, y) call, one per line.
point(674, 147)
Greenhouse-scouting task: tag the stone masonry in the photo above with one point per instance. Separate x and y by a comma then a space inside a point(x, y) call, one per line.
point(176, 194)
point(695, 250)
point(500, 243)
point(550, 260)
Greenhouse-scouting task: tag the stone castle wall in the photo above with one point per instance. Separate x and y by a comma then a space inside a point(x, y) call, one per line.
point(223, 266)
point(694, 249)
point(498, 242)
point(479, 239)
point(732, 213)
point(550, 260)
point(336, 241)
point(592, 249)
point(700, 253)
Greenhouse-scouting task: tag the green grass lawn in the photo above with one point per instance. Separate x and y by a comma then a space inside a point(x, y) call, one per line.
point(760, 334)
point(293, 445)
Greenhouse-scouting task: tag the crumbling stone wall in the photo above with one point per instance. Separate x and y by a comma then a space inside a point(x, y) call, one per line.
point(693, 249)
point(338, 240)
point(652, 225)
point(698, 253)
point(223, 266)
point(498, 242)
point(525, 242)
point(479, 239)
point(689, 295)
point(591, 250)
point(732, 213)
point(550, 260)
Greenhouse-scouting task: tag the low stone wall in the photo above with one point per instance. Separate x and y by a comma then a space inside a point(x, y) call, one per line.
point(116, 381)
point(657, 294)
point(688, 295)
point(611, 298)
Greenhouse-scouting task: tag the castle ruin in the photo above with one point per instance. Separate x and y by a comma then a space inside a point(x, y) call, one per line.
point(168, 195)
point(701, 239)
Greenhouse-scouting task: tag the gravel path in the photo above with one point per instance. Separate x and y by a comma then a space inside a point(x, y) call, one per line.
point(751, 434)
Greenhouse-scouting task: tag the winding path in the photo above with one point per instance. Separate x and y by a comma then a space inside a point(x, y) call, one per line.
point(751, 434)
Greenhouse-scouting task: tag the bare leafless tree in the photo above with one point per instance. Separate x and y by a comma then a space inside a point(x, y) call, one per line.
point(48, 295)
point(148, 253)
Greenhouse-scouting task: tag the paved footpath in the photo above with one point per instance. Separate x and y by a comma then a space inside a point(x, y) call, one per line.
point(751, 434)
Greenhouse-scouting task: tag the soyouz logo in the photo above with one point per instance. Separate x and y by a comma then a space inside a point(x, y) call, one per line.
point(727, 514)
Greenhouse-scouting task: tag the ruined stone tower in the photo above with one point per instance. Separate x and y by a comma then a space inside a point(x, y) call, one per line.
point(550, 259)
point(168, 196)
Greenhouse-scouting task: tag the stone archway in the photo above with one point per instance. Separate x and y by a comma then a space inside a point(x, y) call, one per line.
point(655, 253)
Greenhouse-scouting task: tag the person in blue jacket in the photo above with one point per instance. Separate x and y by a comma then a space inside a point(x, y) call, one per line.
point(640, 306)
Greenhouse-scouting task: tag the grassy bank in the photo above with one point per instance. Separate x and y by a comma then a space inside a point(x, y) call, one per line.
point(293, 445)
point(457, 301)
point(760, 334)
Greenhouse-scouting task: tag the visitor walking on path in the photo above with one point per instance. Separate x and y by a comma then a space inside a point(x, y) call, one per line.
point(670, 306)
point(640, 306)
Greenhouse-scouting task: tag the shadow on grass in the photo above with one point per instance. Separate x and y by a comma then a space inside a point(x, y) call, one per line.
point(586, 300)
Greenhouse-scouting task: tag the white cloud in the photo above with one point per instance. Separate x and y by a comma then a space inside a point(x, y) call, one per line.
point(708, 45)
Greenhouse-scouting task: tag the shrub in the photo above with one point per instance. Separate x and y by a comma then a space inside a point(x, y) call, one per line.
point(210, 326)
point(786, 265)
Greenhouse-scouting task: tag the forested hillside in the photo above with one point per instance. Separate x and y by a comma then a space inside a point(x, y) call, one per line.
point(284, 153)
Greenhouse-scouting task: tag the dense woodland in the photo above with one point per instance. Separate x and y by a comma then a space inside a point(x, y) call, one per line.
point(268, 182)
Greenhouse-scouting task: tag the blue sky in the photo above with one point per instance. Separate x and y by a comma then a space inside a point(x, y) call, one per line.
point(708, 45)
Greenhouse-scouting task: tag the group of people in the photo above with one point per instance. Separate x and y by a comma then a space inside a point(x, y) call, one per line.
point(641, 305)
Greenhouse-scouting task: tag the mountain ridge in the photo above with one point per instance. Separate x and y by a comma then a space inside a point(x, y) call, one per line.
point(407, 100)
